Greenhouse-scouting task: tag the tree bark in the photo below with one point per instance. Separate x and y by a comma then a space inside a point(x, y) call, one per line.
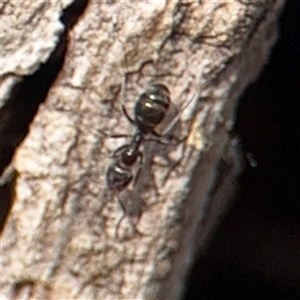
point(67, 237)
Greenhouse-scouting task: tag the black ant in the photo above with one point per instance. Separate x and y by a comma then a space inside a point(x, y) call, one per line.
point(149, 112)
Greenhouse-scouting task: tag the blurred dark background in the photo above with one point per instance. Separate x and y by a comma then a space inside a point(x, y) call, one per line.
point(255, 253)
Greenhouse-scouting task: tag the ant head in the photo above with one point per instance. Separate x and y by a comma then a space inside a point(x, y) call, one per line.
point(117, 177)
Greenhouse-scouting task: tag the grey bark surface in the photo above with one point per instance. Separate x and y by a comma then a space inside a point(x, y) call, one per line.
point(66, 236)
point(29, 33)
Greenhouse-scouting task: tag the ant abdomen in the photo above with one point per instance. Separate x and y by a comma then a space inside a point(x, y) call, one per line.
point(151, 107)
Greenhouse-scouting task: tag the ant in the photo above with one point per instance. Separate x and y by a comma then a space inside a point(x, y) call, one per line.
point(149, 111)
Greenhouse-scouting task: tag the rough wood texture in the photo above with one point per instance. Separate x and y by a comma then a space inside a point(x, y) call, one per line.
point(67, 237)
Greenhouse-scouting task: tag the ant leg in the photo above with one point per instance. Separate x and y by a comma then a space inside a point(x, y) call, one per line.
point(121, 218)
point(118, 151)
point(123, 93)
point(159, 140)
point(172, 124)
point(114, 135)
point(166, 140)
point(182, 108)
point(132, 225)
point(140, 155)
point(139, 171)
point(130, 119)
